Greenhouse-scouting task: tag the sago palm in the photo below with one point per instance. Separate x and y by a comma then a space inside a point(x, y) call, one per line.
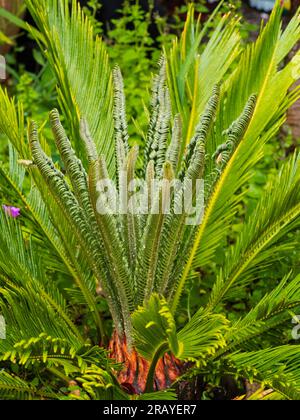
point(62, 259)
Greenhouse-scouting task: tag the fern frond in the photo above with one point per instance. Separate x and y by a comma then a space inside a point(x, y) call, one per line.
point(79, 181)
point(73, 165)
point(271, 83)
point(80, 64)
point(154, 326)
point(97, 384)
point(155, 331)
point(28, 275)
point(193, 166)
point(192, 74)
point(118, 266)
point(202, 337)
point(276, 215)
point(46, 351)
point(15, 388)
point(121, 129)
point(150, 242)
point(276, 368)
point(156, 142)
point(273, 311)
point(173, 151)
point(202, 129)
point(69, 207)
point(86, 136)
point(129, 221)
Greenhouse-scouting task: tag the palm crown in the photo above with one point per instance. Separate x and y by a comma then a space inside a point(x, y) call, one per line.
point(211, 114)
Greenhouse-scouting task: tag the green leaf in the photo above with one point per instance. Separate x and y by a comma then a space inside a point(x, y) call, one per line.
point(153, 326)
point(80, 63)
point(276, 368)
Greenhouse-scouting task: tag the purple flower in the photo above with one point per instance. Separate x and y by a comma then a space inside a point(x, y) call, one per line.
point(12, 211)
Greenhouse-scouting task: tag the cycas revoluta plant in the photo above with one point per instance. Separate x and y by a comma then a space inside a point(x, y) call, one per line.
point(210, 117)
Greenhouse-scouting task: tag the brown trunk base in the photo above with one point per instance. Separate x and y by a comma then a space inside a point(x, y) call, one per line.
point(133, 377)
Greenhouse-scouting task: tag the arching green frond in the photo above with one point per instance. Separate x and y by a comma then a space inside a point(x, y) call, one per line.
point(14, 388)
point(289, 37)
point(97, 384)
point(12, 123)
point(202, 336)
point(173, 151)
point(20, 263)
point(147, 264)
point(75, 253)
point(55, 357)
point(129, 220)
point(68, 204)
point(156, 142)
point(192, 75)
point(273, 310)
point(154, 328)
point(275, 216)
point(121, 129)
point(80, 64)
point(277, 368)
point(41, 211)
point(155, 333)
point(223, 200)
point(118, 266)
point(202, 129)
point(48, 352)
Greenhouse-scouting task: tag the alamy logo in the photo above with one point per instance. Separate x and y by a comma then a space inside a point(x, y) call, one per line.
point(2, 328)
point(163, 196)
point(2, 68)
point(296, 329)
